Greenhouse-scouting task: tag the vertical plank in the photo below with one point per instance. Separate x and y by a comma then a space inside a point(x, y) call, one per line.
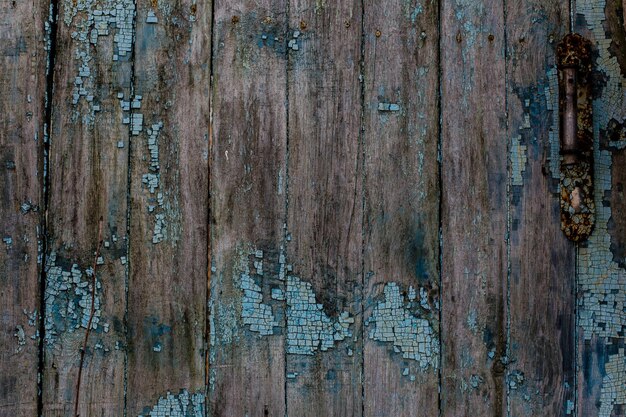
point(324, 219)
point(401, 128)
point(248, 191)
point(474, 209)
point(541, 376)
point(22, 92)
point(601, 274)
point(88, 181)
point(167, 289)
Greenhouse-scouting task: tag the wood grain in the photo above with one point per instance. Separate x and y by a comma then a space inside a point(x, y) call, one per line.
point(167, 289)
point(325, 189)
point(331, 155)
point(22, 92)
point(248, 191)
point(401, 196)
point(474, 209)
point(88, 181)
point(541, 376)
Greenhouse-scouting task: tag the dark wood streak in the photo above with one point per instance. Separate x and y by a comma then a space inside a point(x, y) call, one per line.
point(22, 116)
point(474, 208)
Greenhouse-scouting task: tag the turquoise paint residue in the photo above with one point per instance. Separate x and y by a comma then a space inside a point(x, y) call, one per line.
point(308, 327)
point(184, 404)
point(393, 322)
point(68, 299)
point(601, 281)
point(254, 313)
point(416, 12)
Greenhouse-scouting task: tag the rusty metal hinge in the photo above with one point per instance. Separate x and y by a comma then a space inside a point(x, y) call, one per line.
point(576, 136)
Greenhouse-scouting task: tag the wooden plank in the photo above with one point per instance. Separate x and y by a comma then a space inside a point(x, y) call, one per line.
point(248, 191)
point(88, 181)
point(22, 92)
point(601, 274)
point(474, 209)
point(169, 208)
point(541, 376)
point(401, 128)
point(324, 218)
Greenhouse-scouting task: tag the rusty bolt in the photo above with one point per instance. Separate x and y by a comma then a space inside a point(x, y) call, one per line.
point(302, 25)
point(235, 19)
point(377, 33)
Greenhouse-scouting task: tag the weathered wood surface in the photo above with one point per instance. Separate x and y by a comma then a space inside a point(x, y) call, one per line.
point(325, 206)
point(248, 197)
point(88, 176)
point(169, 207)
point(401, 254)
point(541, 374)
point(22, 91)
point(474, 209)
point(308, 209)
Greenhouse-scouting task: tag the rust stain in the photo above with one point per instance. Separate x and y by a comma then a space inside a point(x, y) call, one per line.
point(577, 204)
point(576, 130)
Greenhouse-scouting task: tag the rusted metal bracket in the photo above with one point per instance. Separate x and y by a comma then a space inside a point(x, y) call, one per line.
point(576, 136)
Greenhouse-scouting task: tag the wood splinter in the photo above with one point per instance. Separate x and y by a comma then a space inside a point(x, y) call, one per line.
point(576, 137)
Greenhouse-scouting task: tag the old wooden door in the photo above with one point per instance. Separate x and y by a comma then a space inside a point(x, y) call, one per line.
point(305, 208)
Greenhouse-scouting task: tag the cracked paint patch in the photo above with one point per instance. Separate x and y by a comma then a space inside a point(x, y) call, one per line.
point(308, 326)
point(92, 19)
point(394, 322)
point(152, 180)
point(184, 404)
point(602, 283)
point(68, 300)
point(613, 385)
point(551, 92)
point(518, 160)
point(131, 116)
point(255, 314)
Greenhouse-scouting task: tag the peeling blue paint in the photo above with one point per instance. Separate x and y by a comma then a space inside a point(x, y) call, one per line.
point(184, 404)
point(602, 283)
point(393, 322)
point(91, 19)
point(68, 300)
point(308, 326)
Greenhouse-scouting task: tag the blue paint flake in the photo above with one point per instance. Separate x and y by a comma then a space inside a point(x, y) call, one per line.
point(254, 313)
point(182, 405)
point(392, 322)
point(68, 298)
point(602, 282)
point(308, 326)
point(388, 107)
